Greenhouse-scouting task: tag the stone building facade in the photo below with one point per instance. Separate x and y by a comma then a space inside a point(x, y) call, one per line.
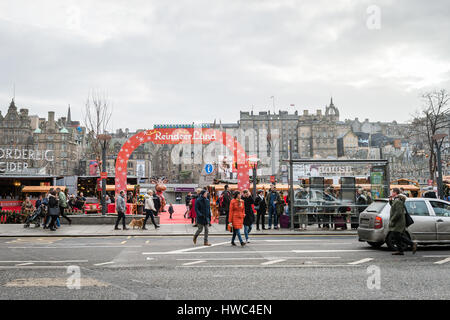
point(30, 145)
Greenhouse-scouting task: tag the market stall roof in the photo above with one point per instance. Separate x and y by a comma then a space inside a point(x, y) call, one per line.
point(279, 187)
point(368, 187)
point(112, 187)
point(404, 182)
point(40, 189)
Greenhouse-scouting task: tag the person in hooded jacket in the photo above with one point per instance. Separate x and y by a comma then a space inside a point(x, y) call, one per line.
point(53, 209)
point(150, 209)
point(397, 223)
point(249, 218)
point(236, 217)
point(261, 209)
point(203, 214)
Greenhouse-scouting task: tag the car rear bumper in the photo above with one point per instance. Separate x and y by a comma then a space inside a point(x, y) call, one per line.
point(371, 235)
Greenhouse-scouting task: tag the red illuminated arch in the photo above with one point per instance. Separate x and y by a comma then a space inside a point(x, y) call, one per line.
point(182, 136)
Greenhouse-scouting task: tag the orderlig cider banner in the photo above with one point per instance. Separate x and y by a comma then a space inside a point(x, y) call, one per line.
point(18, 160)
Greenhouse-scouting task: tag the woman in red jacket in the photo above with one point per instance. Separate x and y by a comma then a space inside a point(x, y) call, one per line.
point(236, 217)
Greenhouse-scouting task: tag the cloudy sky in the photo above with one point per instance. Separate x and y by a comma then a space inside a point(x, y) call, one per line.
point(199, 60)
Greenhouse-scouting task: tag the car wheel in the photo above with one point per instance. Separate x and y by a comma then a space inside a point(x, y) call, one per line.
point(375, 244)
point(390, 243)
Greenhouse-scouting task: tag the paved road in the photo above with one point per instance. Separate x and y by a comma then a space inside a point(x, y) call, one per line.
point(270, 267)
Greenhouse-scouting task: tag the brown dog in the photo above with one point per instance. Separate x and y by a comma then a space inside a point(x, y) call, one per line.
point(137, 223)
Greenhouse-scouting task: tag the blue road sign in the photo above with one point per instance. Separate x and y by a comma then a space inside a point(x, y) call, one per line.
point(209, 168)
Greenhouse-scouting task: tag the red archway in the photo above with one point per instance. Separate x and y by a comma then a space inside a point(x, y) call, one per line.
point(182, 136)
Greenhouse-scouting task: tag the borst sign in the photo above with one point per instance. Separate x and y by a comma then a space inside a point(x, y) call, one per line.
point(16, 160)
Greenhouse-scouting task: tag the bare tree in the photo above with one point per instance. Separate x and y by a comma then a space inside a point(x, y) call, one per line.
point(433, 119)
point(97, 116)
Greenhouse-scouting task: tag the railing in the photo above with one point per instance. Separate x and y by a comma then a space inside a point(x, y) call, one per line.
point(327, 215)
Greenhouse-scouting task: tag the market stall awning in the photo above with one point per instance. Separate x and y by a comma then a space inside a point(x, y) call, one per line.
point(112, 187)
point(41, 189)
point(279, 187)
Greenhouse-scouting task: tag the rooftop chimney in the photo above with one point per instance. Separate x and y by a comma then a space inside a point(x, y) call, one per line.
point(51, 116)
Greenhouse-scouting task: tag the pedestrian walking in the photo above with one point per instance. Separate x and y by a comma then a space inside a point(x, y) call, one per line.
point(157, 203)
point(171, 211)
point(236, 217)
point(188, 205)
point(224, 203)
point(121, 208)
point(203, 213)
point(53, 210)
point(261, 209)
point(192, 213)
point(63, 204)
point(150, 209)
point(249, 218)
point(272, 198)
point(397, 223)
point(27, 206)
point(280, 205)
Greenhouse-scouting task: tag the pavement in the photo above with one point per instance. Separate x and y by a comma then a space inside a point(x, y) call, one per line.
point(17, 230)
point(297, 267)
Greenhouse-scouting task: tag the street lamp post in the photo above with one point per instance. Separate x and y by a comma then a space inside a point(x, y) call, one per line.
point(436, 138)
point(104, 138)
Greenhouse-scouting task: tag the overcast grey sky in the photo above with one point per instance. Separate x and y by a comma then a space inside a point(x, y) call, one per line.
point(200, 60)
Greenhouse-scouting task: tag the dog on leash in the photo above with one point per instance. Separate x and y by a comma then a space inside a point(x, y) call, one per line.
point(137, 223)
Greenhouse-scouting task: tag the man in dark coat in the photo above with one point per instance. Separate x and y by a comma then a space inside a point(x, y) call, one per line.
point(249, 218)
point(157, 203)
point(397, 223)
point(203, 211)
point(225, 205)
point(272, 198)
point(261, 209)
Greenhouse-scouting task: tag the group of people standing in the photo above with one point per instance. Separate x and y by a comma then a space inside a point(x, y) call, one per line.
point(54, 203)
point(239, 209)
point(273, 203)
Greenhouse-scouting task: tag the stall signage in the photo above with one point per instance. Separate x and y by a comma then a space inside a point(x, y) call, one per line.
point(184, 189)
point(16, 160)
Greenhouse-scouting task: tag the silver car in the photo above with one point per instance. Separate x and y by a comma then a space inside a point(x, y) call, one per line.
point(431, 222)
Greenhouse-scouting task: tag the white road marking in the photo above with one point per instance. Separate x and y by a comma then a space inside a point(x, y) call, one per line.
point(123, 242)
point(194, 262)
point(361, 261)
point(32, 267)
point(104, 263)
point(75, 247)
point(253, 244)
point(243, 251)
point(298, 240)
point(437, 256)
point(328, 251)
point(38, 261)
point(148, 259)
point(272, 262)
point(147, 242)
point(129, 237)
point(271, 258)
point(196, 248)
point(24, 264)
point(272, 266)
point(443, 261)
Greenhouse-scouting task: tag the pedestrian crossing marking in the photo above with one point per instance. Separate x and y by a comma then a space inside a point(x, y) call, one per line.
point(361, 261)
point(443, 261)
point(272, 262)
point(194, 262)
